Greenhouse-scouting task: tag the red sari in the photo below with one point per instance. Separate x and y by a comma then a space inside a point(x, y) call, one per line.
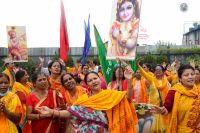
point(47, 124)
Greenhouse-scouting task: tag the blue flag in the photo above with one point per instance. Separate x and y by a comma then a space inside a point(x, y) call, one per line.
point(87, 42)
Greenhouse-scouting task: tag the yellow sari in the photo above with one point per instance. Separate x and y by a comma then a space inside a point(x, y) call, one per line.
point(121, 114)
point(157, 95)
point(13, 104)
point(185, 112)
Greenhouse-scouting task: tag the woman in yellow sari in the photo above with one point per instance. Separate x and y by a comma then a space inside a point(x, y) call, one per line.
point(72, 92)
point(159, 86)
point(10, 107)
point(182, 103)
point(101, 110)
point(22, 88)
point(197, 79)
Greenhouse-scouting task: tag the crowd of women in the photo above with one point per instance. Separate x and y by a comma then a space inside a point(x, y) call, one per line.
point(78, 99)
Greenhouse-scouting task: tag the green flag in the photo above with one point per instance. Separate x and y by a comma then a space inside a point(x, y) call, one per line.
point(133, 63)
point(107, 65)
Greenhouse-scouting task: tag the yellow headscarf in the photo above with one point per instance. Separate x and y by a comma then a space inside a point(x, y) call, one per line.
point(180, 90)
point(121, 114)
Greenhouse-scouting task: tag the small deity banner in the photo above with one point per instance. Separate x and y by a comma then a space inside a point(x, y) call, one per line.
point(124, 29)
point(17, 44)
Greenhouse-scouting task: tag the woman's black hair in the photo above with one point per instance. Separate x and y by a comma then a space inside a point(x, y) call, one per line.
point(86, 76)
point(51, 63)
point(114, 75)
point(148, 66)
point(197, 68)
point(78, 80)
point(83, 66)
point(182, 68)
point(64, 75)
point(35, 76)
point(163, 69)
point(19, 74)
point(167, 66)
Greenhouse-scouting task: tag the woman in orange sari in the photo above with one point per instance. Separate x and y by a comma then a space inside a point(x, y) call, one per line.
point(72, 92)
point(55, 70)
point(22, 88)
point(182, 102)
point(139, 88)
point(10, 107)
point(101, 110)
point(42, 96)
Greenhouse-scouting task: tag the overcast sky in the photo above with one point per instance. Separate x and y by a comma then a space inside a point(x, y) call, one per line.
point(162, 20)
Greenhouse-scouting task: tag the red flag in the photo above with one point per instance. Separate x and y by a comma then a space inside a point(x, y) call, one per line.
point(64, 41)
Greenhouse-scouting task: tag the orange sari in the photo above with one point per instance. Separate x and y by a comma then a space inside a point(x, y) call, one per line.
point(18, 87)
point(143, 98)
point(79, 91)
point(56, 85)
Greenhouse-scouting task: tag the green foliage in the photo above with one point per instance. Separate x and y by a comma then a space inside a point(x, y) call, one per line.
point(154, 59)
point(169, 50)
point(164, 47)
point(195, 24)
point(194, 57)
point(79, 60)
point(56, 56)
point(162, 58)
point(88, 58)
point(28, 66)
point(70, 62)
point(2, 67)
point(164, 44)
point(95, 58)
point(149, 58)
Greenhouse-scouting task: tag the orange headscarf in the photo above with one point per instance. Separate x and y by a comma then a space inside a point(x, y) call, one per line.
point(143, 93)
